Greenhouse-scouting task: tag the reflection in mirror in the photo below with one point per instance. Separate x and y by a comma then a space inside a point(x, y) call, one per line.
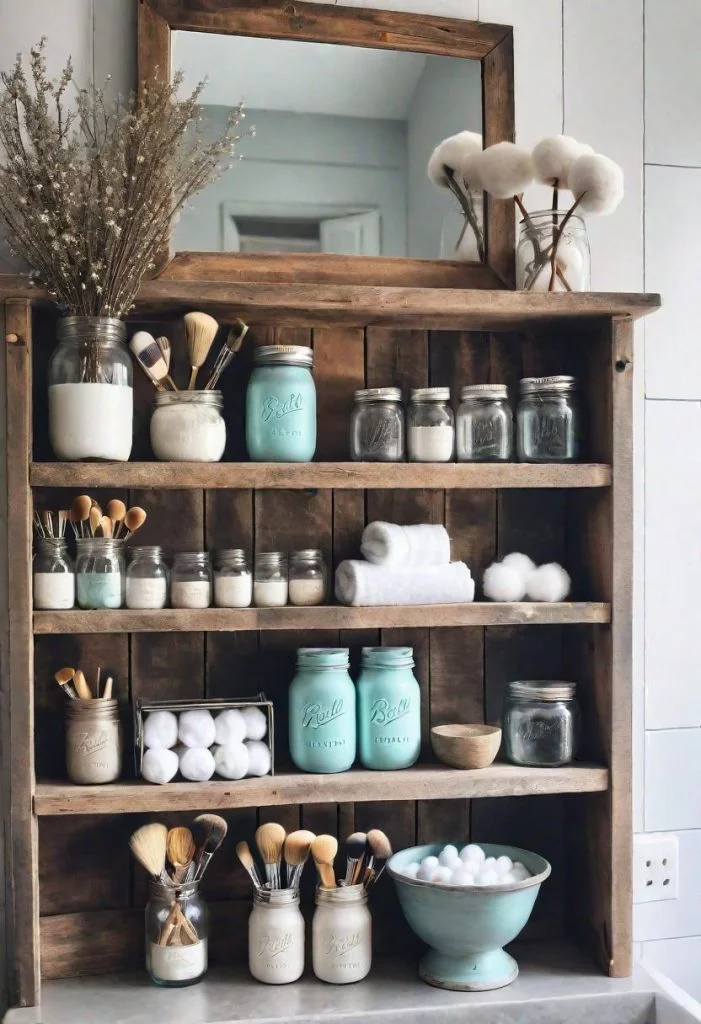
point(342, 139)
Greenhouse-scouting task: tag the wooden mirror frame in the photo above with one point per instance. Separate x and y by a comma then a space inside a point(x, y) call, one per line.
point(492, 45)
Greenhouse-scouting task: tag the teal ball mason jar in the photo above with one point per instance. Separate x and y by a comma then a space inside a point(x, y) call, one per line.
point(322, 711)
point(389, 709)
point(281, 405)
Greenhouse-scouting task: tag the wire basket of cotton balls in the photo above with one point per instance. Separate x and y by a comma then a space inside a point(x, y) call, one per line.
point(198, 739)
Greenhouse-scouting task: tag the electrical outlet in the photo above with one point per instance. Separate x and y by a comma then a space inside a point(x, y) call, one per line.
point(655, 867)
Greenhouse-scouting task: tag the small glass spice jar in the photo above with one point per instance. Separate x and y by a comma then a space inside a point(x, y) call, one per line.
point(276, 937)
point(177, 930)
point(307, 578)
point(342, 935)
point(377, 426)
point(53, 575)
point(281, 405)
point(191, 580)
point(547, 420)
point(147, 578)
point(233, 580)
point(430, 426)
point(541, 723)
point(389, 709)
point(485, 428)
point(270, 585)
point(93, 741)
point(188, 426)
point(99, 573)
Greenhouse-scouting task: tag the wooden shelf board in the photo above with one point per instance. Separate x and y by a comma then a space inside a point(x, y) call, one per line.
point(312, 475)
point(231, 620)
point(423, 782)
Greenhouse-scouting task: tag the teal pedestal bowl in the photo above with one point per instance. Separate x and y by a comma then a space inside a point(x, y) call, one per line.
point(466, 927)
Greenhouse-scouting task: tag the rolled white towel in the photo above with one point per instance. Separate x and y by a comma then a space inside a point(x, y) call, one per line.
point(360, 583)
point(389, 544)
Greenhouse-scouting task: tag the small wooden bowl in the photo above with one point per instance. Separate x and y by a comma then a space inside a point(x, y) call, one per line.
point(466, 746)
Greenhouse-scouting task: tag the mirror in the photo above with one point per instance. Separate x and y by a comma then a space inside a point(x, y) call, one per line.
point(338, 161)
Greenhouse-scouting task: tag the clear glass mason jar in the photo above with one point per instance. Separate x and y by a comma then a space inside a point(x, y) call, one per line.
point(93, 742)
point(270, 582)
point(342, 935)
point(276, 937)
point(462, 238)
point(541, 723)
point(90, 390)
point(147, 578)
point(547, 420)
point(430, 426)
point(99, 572)
point(281, 405)
point(177, 931)
point(485, 427)
point(535, 271)
point(191, 580)
point(307, 577)
point(188, 426)
point(53, 574)
point(377, 426)
point(233, 581)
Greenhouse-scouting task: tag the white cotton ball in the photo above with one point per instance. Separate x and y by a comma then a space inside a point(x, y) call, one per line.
point(597, 182)
point(231, 760)
point(442, 875)
point(161, 730)
point(503, 583)
point(448, 854)
point(472, 852)
point(230, 727)
point(451, 152)
point(256, 723)
point(197, 764)
point(505, 170)
point(507, 879)
point(430, 862)
point(523, 565)
point(487, 876)
point(490, 864)
point(196, 729)
point(426, 872)
point(549, 582)
point(553, 158)
point(462, 877)
point(258, 757)
point(520, 872)
point(411, 870)
point(503, 866)
point(159, 765)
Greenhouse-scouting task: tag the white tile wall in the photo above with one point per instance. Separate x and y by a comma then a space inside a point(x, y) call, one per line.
point(679, 959)
point(672, 82)
point(672, 791)
point(669, 919)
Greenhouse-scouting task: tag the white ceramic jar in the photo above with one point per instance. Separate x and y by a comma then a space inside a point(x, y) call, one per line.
point(276, 937)
point(188, 426)
point(342, 935)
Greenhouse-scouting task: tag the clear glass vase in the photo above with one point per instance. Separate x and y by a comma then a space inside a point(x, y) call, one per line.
point(553, 253)
point(462, 237)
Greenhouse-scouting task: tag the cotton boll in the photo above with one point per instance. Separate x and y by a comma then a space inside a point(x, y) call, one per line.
point(230, 726)
point(231, 760)
point(553, 158)
point(256, 723)
point(442, 875)
point(505, 170)
point(520, 562)
point(451, 152)
point(472, 852)
point(503, 583)
point(598, 181)
point(197, 764)
point(196, 729)
point(258, 757)
point(549, 582)
point(470, 173)
point(161, 730)
point(411, 870)
point(159, 765)
point(503, 866)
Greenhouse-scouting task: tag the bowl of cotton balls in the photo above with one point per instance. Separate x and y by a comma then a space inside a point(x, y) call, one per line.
point(466, 904)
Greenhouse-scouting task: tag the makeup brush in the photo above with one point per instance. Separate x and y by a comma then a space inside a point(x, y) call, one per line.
point(164, 346)
point(97, 681)
point(354, 849)
point(81, 686)
point(64, 678)
point(94, 519)
point(148, 844)
point(105, 526)
point(324, 850)
point(243, 852)
point(270, 840)
point(133, 520)
point(148, 355)
point(63, 516)
point(377, 852)
point(80, 512)
point(180, 850)
point(107, 692)
point(296, 851)
point(209, 832)
point(234, 341)
point(200, 329)
point(47, 523)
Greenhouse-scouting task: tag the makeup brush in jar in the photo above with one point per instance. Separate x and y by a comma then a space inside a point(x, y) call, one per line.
point(324, 850)
point(64, 678)
point(233, 343)
point(296, 852)
point(150, 358)
point(200, 331)
point(116, 510)
point(166, 351)
point(148, 845)
point(134, 520)
point(354, 850)
point(81, 685)
point(377, 853)
point(209, 832)
point(243, 852)
point(80, 513)
point(270, 840)
point(180, 850)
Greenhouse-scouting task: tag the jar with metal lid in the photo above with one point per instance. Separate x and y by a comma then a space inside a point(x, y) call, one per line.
point(541, 723)
point(188, 426)
point(377, 426)
point(93, 741)
point(233, 580)
point(547, 420)
point(342, 935)
point(177, 931)
point(485, 428)
point(53, 575)
point(389, 709)
point(147, 578)
point(281, 405)
point(191, 580)
point(430, 426)
point(270, 583)
point(307, 579)
point(276, 937)
point(322, 714)
point(99, 572)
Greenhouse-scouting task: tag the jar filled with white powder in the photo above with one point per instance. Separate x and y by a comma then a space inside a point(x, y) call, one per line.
point(307, 579)
point(188, 426)
point(270, 587)
point(147, 579)
point(191, 582)
point(54, 575)
point(233, 580)
point(430, 426)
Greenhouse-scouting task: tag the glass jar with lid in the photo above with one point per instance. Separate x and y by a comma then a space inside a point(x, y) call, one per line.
point(547, 420)
point(276, 937)
point(53, 575)
point(99, 572)
point(389, 709)
point(233, 580)
point(485, 427)
point(307, 578)
point(191, 581)
point(322, 714)
point(541, 723)
point(342, 935)
point(147, 578)
point(177, 931)
point(281, 405)
point(93, 741)
point(270, 582)
point(188, 426)
point(377, 426)
point(430, 426)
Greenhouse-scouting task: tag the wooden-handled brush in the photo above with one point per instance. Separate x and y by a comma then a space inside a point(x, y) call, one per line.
point(200, 331)
point(324, 850)
point(296, 851)
point(244, 854)
point(270, 840)
point(181, 850)
point(64, 677)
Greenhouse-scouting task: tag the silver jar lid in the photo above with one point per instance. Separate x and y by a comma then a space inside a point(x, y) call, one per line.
point(231, 555)
point(430, 394)
point(553, 385)
point(284, 355)
point(378, 395)
point(213, 399)
point(485, 391)
point(307, 554)
point(270, 559)
point(541, 689)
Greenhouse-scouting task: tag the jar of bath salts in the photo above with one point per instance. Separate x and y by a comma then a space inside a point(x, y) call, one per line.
point(281, 405)
point(177, 929)
point(547, 420)
point(276, 937)
point(307, 577)
point(191, 580)
point(188, 426)
point(147, 579)
point(541, 723)
point(270, 586)
point(93, 742)
point(53, 575)
point(342, 935)
point(430, 426)
point(233, 582)
point(99, 573)
point(377, 426)
point(485, 427)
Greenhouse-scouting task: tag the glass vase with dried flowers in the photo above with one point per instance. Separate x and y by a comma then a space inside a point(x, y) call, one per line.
point(89, 188)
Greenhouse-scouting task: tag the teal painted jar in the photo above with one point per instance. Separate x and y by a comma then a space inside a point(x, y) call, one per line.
point(322, 711)
point(389, 709)
point(281, 405)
